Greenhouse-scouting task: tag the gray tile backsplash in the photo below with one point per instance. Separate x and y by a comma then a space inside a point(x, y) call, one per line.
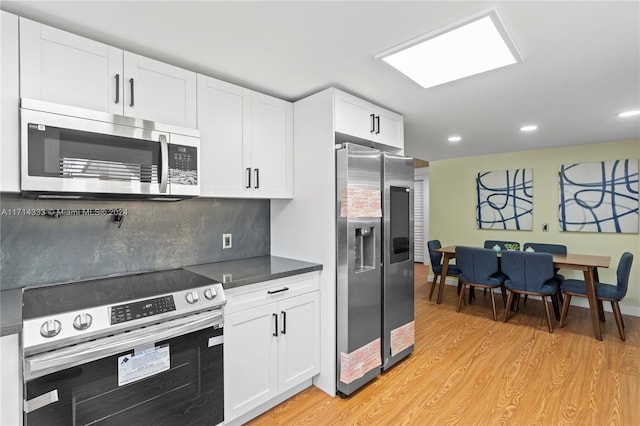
point(155, 235)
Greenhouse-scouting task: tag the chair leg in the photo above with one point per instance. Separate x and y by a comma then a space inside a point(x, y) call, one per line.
point(503, 290)
point(516, 303)
point(556, 305)
point(565, 309)
point(459, 286)
point(472, 293)
point(600, 311)
point(461, 298)
point(618, 316)
point(508, 306)
point(525, 299)
point(493, 304)
point(546, 311)
point(433, 285)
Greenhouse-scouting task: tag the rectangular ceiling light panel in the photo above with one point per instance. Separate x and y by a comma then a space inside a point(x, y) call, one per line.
point(468, 47)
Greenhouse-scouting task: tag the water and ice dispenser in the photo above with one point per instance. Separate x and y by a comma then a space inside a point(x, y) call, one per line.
point(365, 249)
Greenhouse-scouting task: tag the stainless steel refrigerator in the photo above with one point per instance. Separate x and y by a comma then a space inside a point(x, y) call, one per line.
point(375, 290)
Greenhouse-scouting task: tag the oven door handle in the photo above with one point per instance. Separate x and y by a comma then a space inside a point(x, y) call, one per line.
point(42, 364)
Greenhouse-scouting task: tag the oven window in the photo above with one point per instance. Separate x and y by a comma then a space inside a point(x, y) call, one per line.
point(189, 392)
point(59, 152)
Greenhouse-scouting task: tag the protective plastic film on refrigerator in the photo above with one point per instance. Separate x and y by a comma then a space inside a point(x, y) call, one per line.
point(374, 257)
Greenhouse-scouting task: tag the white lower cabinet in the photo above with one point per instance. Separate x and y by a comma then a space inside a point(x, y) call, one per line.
point(10, 381)
point(272, 341)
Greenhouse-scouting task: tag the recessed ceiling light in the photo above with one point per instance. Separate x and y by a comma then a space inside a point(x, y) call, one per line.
point(454, 139)
point(528, 128)
point(629, 113)
point(467, 47)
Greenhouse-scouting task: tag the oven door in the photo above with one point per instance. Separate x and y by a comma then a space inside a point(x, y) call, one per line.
point(166, 376)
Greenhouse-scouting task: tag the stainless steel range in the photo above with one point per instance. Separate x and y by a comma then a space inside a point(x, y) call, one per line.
point(137, 349)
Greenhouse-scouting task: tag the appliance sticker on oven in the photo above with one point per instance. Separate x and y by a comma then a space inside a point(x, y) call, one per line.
point(215, 341)
point(142, 364)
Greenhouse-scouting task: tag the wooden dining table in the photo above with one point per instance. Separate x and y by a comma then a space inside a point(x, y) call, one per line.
point(586, 263)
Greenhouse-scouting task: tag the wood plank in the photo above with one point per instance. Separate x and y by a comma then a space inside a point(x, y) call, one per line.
point(468, 369)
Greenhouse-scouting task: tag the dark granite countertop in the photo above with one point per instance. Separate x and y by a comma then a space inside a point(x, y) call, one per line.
point(10, 311)
point(236, 273)
point(233, 273)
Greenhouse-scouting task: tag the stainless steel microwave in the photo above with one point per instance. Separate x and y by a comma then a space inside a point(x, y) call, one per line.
point(74, 153)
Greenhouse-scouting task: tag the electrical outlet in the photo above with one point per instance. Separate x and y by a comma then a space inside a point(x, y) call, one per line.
point(227, 278)
point(226, 241)
point(545, 227)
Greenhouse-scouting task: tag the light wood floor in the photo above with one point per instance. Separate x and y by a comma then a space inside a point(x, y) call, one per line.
point(469, 370)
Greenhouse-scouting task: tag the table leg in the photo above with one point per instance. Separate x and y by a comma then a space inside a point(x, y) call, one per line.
point(589, 279)
point(445, 268)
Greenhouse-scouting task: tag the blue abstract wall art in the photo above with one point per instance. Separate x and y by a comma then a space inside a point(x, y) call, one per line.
point(505, 199)
point(599, 197)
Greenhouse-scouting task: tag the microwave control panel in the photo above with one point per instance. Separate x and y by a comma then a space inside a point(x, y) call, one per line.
point(183, 164)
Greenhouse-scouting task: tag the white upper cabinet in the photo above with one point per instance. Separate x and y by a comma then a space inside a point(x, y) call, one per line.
point(222, 108)
point(246, 142)
point(271, 147)
point(159, 92)
point(364, 120)
point(10, 98)
point(60, 67)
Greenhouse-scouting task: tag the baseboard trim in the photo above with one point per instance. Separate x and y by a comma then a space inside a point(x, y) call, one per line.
point(580, 302)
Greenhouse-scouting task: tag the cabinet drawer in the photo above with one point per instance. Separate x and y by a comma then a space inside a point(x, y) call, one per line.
point(250, 296)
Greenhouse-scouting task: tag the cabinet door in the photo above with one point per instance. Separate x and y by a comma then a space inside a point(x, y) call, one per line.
point(353, 116)
point(222, 108)
point(159, 92)
point(389, 128)
point(271, 147)
point(11, 383)
point(299, 346)
point(60, 67)
point(10, 98)
point(250, 360)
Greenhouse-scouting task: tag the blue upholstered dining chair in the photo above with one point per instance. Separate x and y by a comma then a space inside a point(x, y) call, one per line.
point(553, 249)
point(529, 273)
point(479, 268)
point(504, 245)
point(604, 292)
point(436, 265)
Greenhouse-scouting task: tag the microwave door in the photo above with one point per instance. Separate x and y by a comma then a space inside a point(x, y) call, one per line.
point(75, 155)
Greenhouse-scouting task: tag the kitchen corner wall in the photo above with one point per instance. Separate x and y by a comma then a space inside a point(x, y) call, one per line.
point(154, 235)
point(452, 206)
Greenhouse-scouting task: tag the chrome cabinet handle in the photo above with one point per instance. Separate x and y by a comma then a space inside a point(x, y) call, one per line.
point(378, 125)
point(257, 179)
point(373, 123)
point(117, 88)
point(284, 322)
point(278, 291)
point(248, 178)
point(164, 169)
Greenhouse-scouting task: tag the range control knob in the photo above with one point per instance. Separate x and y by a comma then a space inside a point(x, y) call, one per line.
point(192, 297)
point(50, 328)
point(82, 321)
point(210, 293)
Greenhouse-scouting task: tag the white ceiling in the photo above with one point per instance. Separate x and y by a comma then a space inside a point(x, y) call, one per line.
point(581, 61)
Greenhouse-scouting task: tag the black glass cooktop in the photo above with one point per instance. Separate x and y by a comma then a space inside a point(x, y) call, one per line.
point(55, 299)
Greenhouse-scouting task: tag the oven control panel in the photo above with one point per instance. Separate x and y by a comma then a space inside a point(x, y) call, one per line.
point(46, 333)
point(141, 309)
